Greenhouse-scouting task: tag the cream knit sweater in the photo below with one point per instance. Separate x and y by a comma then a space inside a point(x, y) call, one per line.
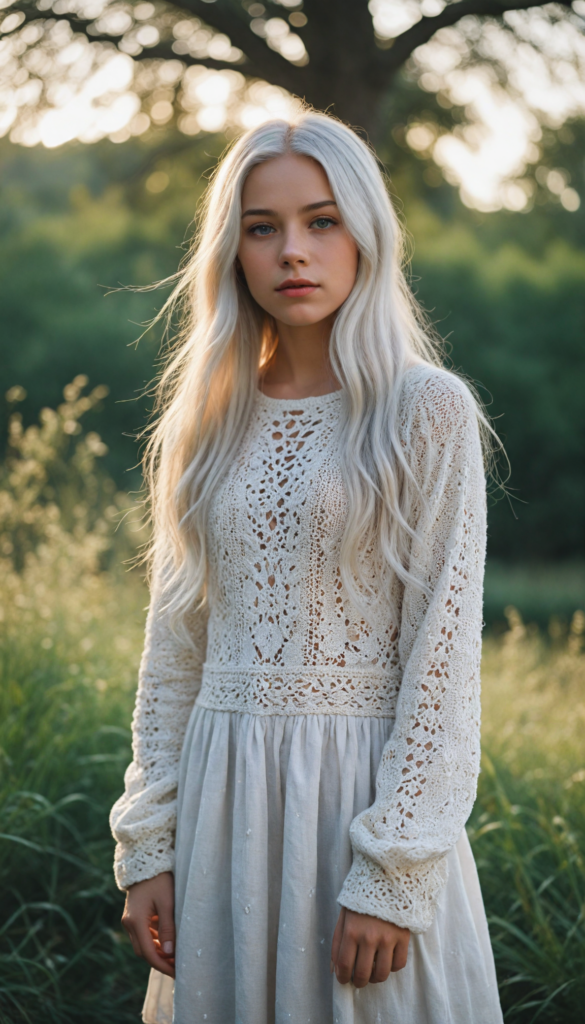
point(282, 637)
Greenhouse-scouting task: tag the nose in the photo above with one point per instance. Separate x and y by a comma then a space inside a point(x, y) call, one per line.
point(293, 253)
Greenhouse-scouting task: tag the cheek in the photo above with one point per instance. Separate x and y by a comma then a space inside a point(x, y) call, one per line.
point(255, 262)
point(346, 267)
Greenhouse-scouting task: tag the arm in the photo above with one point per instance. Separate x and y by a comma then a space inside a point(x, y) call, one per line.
point(143, 819)
point(426, 782)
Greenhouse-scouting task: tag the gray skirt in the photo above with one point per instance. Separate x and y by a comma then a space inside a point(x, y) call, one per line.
point(265, 805)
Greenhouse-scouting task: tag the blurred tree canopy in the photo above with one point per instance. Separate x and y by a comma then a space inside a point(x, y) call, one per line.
point(506, 289)
point(344, 56)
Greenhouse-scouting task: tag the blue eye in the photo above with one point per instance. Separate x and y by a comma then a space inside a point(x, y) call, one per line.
point(322, 222)
point(261, 229)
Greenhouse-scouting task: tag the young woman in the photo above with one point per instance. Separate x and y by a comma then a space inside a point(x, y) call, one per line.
point(306, 733)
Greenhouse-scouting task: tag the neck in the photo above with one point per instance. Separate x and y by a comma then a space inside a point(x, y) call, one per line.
point(300, 366)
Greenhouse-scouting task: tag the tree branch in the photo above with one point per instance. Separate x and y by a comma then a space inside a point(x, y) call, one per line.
point(164, 52)
point(235, 24)
point(260, 60)
point(231, 22)
point(403, 45)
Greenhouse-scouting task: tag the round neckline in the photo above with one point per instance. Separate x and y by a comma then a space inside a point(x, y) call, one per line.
point(298, 402)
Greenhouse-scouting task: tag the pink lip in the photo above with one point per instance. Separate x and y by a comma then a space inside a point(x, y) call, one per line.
point(296, 287)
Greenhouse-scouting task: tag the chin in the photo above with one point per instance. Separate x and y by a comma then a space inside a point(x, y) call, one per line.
point(302, 317)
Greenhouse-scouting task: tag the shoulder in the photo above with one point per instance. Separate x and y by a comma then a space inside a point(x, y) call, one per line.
point(437, 404)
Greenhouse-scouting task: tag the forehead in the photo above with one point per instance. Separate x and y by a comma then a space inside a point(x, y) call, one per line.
point(286, 180)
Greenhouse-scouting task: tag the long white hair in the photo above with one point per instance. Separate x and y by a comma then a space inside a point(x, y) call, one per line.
point(206, 392)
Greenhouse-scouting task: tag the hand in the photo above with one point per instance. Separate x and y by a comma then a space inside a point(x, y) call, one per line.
point(149, 920)
point(367, 947)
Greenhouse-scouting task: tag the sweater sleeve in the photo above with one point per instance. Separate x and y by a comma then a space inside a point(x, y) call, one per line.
point(143, 820)
point(427, 777)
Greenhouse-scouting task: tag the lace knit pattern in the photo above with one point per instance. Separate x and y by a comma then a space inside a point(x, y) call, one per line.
point(284, 638)
point(143, 820)
point(427, 778)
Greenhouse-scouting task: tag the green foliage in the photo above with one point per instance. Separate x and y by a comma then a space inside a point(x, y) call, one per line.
point(527, 829)
point(67, 680)
point(545, 593)
point(515, 326)
point(65, 743)
point(76, 224)
point(49, 483)
point(57, 509)
point(529, 847)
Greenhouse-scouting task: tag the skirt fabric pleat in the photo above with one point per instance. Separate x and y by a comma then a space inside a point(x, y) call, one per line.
point(265, 805)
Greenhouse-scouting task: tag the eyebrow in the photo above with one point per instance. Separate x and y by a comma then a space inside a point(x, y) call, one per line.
point(305, 209)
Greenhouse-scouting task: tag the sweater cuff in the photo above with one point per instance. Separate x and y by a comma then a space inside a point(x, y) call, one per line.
point(132, 867)
point(143, 823)
point(406, 898)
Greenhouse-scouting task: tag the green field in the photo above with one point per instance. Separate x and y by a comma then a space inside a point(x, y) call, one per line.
point(547, 594)
point(70, 640)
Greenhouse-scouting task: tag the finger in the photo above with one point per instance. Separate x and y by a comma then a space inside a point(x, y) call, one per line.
point(170, 959)
point(128, 926)
point(167, 959)
point(346, 955)
point(337, 936)
point(364, 964)
point(135, 944)
point(166, 927)
point(382, 963)
point(400, 954)
point(154, 931)
point(150, 953)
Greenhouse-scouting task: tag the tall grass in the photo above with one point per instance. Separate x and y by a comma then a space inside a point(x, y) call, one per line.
point(70, 633)
point(65, 742)
point(70, 639)
point(528, 826)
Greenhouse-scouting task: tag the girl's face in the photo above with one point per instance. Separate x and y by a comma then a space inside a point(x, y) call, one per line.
point(299, 261)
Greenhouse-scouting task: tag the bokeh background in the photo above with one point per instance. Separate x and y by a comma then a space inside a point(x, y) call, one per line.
point(112, 116)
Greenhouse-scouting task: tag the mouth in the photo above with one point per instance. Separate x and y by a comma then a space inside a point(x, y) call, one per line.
point(297, 287)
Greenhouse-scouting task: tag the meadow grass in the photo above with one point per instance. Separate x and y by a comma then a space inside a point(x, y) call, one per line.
point(65, 741)
point(71, 628)
point(528, 825)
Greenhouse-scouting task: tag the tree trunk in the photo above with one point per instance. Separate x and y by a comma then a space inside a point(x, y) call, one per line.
point(352, 100)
